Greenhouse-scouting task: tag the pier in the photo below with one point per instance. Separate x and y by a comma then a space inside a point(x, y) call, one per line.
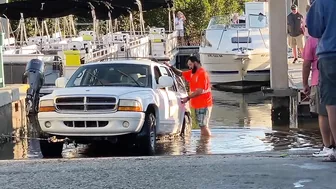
point(284, 88)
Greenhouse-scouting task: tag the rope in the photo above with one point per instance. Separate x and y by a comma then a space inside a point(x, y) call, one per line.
point(50, 139)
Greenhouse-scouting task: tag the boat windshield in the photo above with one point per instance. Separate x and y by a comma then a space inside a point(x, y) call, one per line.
point(219, 22)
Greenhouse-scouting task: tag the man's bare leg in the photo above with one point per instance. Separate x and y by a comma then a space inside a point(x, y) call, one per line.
point(332, 140)
point(182, 41)
point(295, 54)
point(332, 119)
point(301, 52)
point(328, 139)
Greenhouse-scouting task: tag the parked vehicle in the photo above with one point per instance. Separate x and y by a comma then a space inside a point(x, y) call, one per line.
point(136, 100)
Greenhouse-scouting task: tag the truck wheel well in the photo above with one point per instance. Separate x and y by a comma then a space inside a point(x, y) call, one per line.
point(153, 109)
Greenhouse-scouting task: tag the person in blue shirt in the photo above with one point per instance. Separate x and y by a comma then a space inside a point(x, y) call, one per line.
point(321, 24)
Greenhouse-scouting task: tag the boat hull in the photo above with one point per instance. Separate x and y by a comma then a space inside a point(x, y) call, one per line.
point(235, 70)
point(226, 68)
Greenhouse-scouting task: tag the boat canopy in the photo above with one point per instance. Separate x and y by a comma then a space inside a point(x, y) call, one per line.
point(104, 9)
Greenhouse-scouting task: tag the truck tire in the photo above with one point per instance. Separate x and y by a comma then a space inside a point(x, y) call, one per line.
point(51, 150)
point(147, 143)
point(186, 126)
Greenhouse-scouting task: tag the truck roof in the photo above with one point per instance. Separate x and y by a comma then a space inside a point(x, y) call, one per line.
point(128, 61)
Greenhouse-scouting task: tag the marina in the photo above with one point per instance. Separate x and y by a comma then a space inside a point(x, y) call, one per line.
point(236, 55)
point(65, 50)
point(87, 96)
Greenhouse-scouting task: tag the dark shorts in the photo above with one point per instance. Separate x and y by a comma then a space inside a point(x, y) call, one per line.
point(327, 80)
point(203, 116)
point(315, 102)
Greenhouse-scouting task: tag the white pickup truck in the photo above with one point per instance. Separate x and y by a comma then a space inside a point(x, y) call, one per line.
point(136, 100)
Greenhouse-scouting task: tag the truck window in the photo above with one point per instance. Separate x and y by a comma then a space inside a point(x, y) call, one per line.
point(180, 84)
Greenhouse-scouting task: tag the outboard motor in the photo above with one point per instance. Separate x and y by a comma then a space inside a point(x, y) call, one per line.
point(34, 76)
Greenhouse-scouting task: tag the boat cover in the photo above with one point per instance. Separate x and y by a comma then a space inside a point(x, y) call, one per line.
point(82, 8)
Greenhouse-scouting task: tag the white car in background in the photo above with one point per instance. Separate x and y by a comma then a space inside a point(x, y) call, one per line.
point(136, 100)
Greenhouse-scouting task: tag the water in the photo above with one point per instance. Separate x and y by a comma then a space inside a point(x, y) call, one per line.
point(239, 124)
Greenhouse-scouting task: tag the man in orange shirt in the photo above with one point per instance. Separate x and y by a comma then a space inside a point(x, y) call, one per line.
point(200, 92)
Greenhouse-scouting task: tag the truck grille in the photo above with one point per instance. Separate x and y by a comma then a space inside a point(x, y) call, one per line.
point(86, 124)
point(86, 104)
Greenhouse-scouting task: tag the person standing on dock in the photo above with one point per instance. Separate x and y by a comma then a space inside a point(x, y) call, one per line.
point(295, 29)
point(200, 92)
point(310, 64)
point(321, 25)
point(179, 26)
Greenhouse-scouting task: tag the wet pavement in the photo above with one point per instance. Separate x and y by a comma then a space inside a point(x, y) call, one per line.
point(240, 124)
point(215, 171)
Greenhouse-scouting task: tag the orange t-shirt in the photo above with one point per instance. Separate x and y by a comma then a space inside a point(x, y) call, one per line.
point(199, 80)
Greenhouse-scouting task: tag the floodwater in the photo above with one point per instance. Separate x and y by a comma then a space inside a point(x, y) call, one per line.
point(240, 123)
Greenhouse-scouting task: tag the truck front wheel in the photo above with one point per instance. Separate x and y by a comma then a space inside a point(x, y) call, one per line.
point(147, 142)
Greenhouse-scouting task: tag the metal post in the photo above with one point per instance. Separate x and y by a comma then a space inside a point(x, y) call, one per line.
point(4, 21)
point(2, 76)
point(289, 4)
point(302, 5)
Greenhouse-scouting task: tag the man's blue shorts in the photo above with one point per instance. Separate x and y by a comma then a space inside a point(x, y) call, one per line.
point(327, 80)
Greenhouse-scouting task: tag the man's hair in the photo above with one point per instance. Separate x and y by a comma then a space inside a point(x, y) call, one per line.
point(193, 59)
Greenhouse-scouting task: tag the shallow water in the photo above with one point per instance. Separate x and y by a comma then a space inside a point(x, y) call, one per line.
point(239, 124)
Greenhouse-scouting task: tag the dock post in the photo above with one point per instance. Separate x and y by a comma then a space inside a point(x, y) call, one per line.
point(279, 61)
point(302, 5)
point(288, 5)
point(2, 76)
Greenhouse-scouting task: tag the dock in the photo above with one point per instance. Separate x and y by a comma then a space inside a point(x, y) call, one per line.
point(300, 101)
point(295, 75)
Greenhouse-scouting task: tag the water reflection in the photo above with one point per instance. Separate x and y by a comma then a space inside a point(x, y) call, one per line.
point(242, 110)
point(16, 149)
point(223, 141)
point(240, 124)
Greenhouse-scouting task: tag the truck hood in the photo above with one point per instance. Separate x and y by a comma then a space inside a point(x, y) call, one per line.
point(116, 91)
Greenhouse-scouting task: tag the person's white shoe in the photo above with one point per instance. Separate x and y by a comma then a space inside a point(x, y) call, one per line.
point(325, 152)
point(332, 156)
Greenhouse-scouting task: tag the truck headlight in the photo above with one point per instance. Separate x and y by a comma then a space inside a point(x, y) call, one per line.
point(129, 105)
point(47, 106)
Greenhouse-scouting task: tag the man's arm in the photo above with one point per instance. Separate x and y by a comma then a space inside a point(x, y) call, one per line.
point(289, 23)
point(315, 20)
point(176, 71)
point(195, 93)
point(200, 86)
point(306, 72)
point(308, 57)
point(303, 25)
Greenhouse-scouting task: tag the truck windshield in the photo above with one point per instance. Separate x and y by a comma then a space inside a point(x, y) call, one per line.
point(113, 74)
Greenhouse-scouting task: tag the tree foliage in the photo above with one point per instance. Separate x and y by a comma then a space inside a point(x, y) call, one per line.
point(197, 13)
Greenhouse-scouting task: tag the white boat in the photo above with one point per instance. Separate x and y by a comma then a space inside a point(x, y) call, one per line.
point(237, 54)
